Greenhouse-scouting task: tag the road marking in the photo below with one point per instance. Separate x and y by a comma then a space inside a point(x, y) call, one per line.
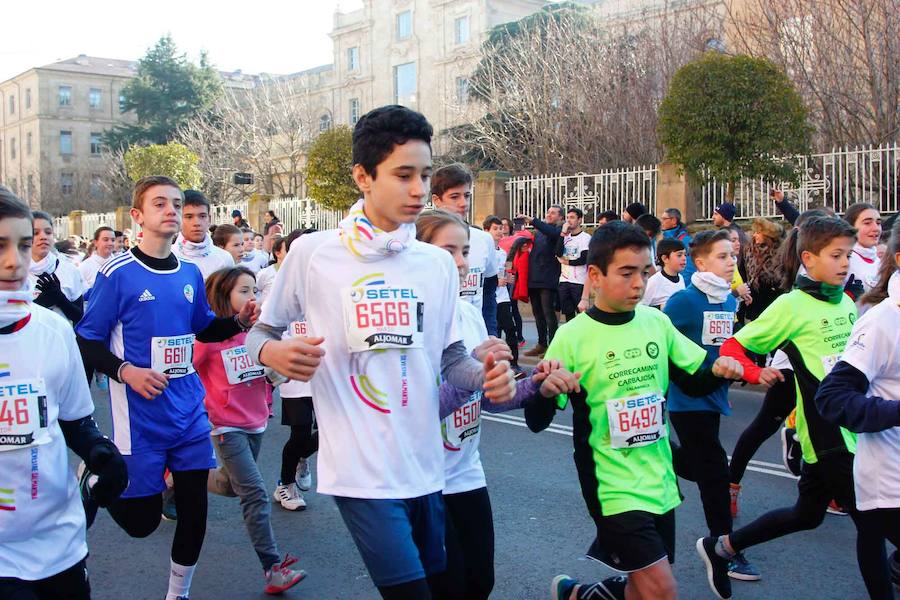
point(757, 466)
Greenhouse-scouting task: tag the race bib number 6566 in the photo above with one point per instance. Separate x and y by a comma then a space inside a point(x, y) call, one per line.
point(378, 317)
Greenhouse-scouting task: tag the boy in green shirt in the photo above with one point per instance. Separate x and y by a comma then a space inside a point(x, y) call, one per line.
point(811, 325)
point(626, 354)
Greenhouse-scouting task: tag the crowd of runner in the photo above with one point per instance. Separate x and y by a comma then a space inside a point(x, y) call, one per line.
point(384, 339)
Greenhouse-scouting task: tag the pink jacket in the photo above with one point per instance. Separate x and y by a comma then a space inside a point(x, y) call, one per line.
point(244, 405)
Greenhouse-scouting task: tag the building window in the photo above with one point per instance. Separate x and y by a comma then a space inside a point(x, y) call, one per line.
point(405, 84)
point(462, 90)
point(95, 97)
point(65, 95)
point(324, 122)
point(96, 144)
point(27, 98)
point(66, 183)
point(121, 103)
point(65, 142)
point(12, 105)
point(96, 189)
point(12, 148)
point(354, 110)
point(461, 30)
point(29, 188)
point(353, 58)
point(404, 25)
point(28, 143)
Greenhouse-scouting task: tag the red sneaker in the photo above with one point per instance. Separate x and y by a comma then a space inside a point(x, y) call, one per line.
point(281, 577)
point(735, 491)
point(836, 509)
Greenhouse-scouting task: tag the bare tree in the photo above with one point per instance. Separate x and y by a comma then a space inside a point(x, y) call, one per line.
point(264, 130)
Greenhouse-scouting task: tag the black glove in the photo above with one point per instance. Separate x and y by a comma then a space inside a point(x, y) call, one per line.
point(107, 464)
point(49, 290)
point(854, 288)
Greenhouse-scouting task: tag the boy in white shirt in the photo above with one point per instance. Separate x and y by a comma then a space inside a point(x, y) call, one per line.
point(671, 256)
point(104, 243)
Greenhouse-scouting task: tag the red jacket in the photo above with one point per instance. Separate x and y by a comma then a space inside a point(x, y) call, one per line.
point(519, 263)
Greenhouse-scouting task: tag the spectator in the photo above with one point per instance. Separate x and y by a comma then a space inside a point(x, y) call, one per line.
point(784, 206)
point(673, 228)
point(271, 230)
point(572, 249)
point(543, 275)
point(238, 220)
point(633, 211)
point(508, 227)
point(764, 271)
point(607, 216)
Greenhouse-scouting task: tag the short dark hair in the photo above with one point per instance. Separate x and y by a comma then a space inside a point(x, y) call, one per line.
point(12, 207)
point(703, 242)
point(379, 130)
point(816, 233)
point(222, 233)
point(636, 209)
point(145, 183)
point(100, 230)
point(39, 214)
point(609, 215)
point(611, 237)
point(195, 198)
point(578, 212)
point(491, 220)
point(667, 246)
point(448, 177)
point(649, 223)
point(118, 233)
point(673, 212)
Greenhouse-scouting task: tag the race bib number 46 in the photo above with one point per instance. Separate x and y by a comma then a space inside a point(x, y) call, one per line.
point(717, 327)
point(173, 355)
point(636, 421)
point(378, 317)
point(239, 367)
point(23, 414)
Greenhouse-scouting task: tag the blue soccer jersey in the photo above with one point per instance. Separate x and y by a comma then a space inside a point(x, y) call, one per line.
point(149, 317)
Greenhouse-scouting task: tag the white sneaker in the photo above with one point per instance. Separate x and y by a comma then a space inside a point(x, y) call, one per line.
point(289, 497)
point(304, 475)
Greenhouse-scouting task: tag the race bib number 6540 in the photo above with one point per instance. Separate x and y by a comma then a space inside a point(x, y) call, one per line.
point(378, 317)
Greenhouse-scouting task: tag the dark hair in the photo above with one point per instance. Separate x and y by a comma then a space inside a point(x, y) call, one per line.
point(578, 212)
point(609, 215)
point(100, 230)
point(12, 207)
point(854, 210)
point(703, 242)
point(509, 223)
point(291, 237)
point(430, 222)
point(649, 223)
point(277, 244)
point(222, 234)
point(379, 130)
point(636, 209)
point(491, 220)
point(118, 233)
point(246, 230)
point(256, 235)
point(271, 213)
point(673, 212)
point(195, 198)
point(817, 232)
point(65, 247)
point(145, 183)
point(667, 246)
point(39, 214)
point(448, 177)
point(612, 237)
point(790, 258)
point(887, 268)
point(516, 246)
point(219, 286)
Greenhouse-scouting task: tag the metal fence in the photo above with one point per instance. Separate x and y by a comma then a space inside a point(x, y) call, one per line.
point(220, 214)
point(834, 179)
point(302, 213)
point(594, 194)
point(91, 221)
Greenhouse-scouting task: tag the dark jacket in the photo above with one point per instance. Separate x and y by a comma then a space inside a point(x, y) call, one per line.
point(543, 268)
point(270, 225)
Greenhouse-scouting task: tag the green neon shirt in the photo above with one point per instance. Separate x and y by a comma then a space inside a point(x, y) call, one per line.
point(624, 377)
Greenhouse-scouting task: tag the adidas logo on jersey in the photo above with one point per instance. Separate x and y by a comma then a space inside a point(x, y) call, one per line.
point(146, 296)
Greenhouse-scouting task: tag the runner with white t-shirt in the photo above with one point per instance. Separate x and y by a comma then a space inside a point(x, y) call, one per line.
point(864, 259)
point(194, 242)
point(253, 259)
point(45, 409)
point(382, 309)
point(104, 243)
point(55, 282)
point(671, 256)
point(571, 252)
point(451, 190)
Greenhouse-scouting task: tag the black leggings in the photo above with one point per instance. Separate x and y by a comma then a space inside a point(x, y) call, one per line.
point(71, 584)
point(470, 547)
point(873, 527)
point(304, 440)
point(543, 302)
point(780, 400)
point(517, 318)
point(140, 517)
point(507, 326)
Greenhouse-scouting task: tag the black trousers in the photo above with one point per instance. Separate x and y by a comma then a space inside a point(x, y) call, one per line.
point(873, 527)
point(569, 297)
point(702, 459)
point(517, 317)
point(71, 584)
point(543, 302)
point(470, 547)
point(304, 439)
point(507, 326)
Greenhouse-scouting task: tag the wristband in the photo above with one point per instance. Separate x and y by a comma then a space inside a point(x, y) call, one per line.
point(119, 370)
point(237, 319)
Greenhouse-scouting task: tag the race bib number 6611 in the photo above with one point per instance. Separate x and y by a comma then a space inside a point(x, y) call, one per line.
point(378, 317)
point(172, 355)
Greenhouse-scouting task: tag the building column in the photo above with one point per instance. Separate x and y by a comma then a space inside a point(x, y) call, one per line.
point(675, 190)
point(490, 197)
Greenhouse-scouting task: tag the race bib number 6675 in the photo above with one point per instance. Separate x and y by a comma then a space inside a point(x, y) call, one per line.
point(378, 317)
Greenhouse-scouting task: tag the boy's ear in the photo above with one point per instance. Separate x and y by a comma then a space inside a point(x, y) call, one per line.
point(435, 198)
point(362, 179)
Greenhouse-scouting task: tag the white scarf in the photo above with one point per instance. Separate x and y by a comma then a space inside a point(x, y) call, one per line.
point(47, 264)
point(368, 243)
point(870, 254)
point(894, 288)
point(189, 249)
point(715, 288)
point(15, 306)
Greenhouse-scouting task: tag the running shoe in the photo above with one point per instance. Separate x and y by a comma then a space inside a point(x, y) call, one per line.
point(538, 350)
point(521, 343)
point(169, 513)
point(741, 569)
point(281, 577)
point(791, 453)
point(836, 509)
point(289, 496)
point(85, 480)
point(716, 568)
point(303, 475)
point(735, 491)
point(561, 587)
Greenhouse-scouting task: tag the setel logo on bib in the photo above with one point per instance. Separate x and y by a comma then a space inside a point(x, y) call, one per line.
point(23, 414)
point(378, 317)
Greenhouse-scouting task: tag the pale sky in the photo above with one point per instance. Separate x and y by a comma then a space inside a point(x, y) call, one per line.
point(272, 36)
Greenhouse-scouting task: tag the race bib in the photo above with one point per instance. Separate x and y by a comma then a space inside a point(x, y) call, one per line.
point(298, 329)
point(636, 421)
point(378, 317)
point(23, 414)
point(173, 356)
point(239, 367)
point(828, 362)
point(463, 424)
point(473, 283)
point(717, 327)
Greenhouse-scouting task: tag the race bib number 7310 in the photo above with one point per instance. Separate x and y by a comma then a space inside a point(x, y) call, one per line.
point(378, 317)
